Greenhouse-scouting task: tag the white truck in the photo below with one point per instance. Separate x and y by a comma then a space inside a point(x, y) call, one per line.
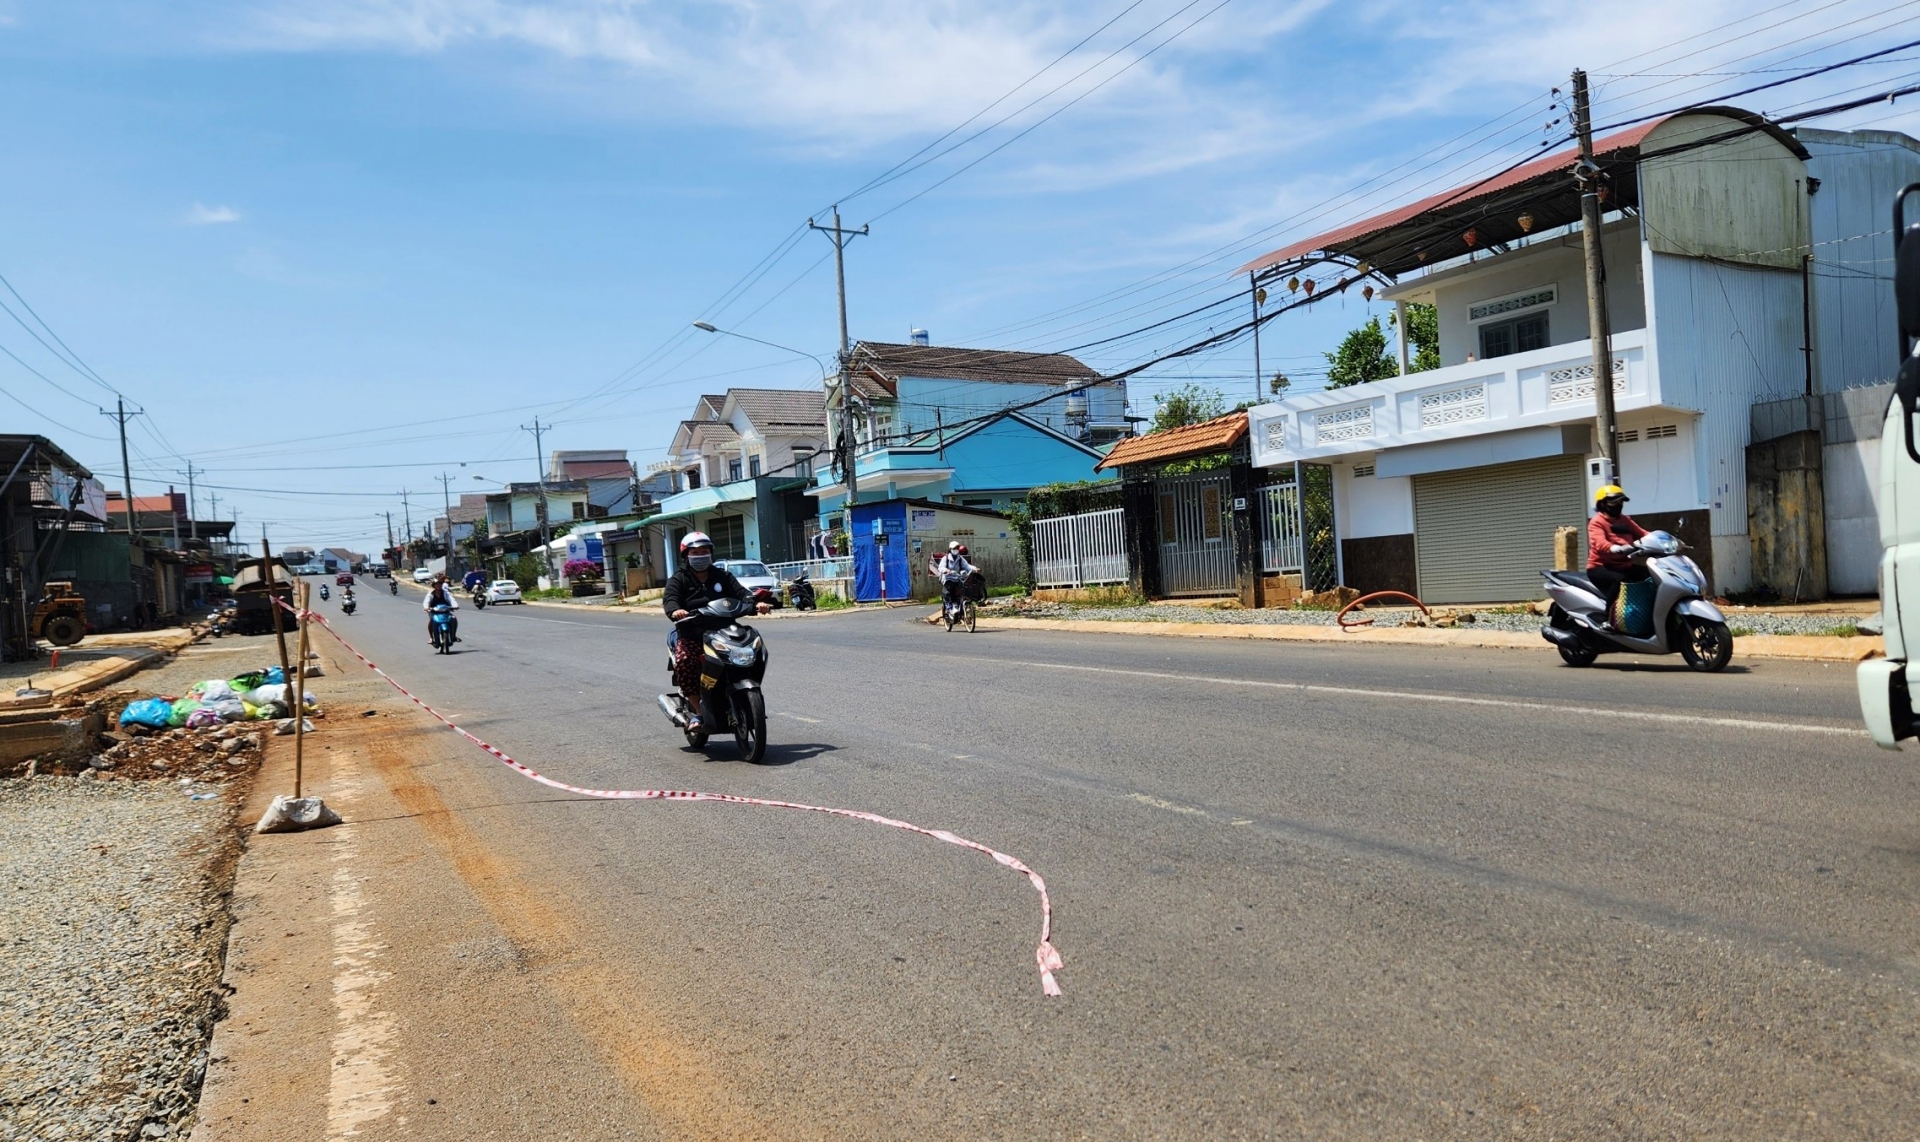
point(1886, 699)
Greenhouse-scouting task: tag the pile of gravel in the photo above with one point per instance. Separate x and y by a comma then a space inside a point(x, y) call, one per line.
point(110, 956)
point(1743, 621)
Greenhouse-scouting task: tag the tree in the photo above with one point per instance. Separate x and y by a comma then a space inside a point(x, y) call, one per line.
point(1362, 356)
point(1279, 385)
point(1423, 333)
point(1188, 404)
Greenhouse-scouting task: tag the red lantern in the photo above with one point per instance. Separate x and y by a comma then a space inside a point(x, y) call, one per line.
point(1526, 222)
point(1367, 293)
point(1471, 237)
point(1308, 286)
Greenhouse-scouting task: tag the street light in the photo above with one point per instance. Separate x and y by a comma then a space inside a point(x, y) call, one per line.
point(846, 401)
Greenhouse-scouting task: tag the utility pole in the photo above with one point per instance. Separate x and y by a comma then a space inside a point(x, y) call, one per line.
point(406, 510)
point(213, 509)
point(539, 462)
point(120, 415)
point(840, 236)
point(193, 510)
point(173, 517)
point(389, 535)
point(446, 503)
point(1587, 172)
point(1259, 295)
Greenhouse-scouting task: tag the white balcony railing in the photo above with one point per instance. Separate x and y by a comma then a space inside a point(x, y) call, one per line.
point(1544, 386)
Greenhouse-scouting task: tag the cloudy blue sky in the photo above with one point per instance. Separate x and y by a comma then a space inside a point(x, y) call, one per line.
point(335, 249)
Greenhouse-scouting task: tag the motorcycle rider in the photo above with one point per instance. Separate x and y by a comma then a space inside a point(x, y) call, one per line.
point(695, 583)
point(953, 569)
point(474, 580)
point(442, 592)
point(323, 592)
point(1610, 538)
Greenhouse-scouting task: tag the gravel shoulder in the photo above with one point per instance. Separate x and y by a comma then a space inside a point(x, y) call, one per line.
point(114, 931)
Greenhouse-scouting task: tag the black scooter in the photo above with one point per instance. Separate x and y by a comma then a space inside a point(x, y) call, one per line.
point(733, 661)
point(800, 592)
point(393, 586)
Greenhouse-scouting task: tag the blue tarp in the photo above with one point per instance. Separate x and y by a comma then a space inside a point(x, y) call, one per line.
point(891, 515)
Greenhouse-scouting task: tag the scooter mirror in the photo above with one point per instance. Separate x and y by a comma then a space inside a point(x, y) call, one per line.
point(1906, 269)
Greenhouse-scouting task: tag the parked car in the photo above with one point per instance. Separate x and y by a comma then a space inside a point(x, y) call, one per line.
point(422, 575)
point(753, 575)
point(503, 591)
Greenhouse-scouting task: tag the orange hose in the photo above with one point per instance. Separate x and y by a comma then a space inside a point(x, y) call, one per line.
point(1341, 618)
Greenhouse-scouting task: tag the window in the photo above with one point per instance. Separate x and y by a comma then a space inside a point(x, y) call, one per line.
point(753, 465)
point(733, 469)
point(693, 478)
point(579, 509)
point(729, 537)
point(803, 463)
point(1499, 338)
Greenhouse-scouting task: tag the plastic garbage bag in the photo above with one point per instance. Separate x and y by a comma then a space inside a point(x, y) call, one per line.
point(202, 718)
point(154, 712)
point(268, 694)
point(292, 814)
point(274, 676)
point(227, 709)
point(182, 710)
point(212, 690)
point(284, 726)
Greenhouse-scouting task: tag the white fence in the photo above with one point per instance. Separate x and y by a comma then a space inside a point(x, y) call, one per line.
point(816, 569)
point(1080, 550)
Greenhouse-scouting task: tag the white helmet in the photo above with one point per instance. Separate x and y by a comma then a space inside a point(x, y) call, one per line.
point(694, 539)
point(953, 545)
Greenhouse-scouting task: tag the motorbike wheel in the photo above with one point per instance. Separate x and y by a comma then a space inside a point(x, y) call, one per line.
point(973, 617)
point(750, 725)
point(1577, 656)
point(946, 612)
point(1706, 645)
point(63, 630)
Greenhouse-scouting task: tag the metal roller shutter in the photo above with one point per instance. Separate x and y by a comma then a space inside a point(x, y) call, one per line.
point(1483, 535)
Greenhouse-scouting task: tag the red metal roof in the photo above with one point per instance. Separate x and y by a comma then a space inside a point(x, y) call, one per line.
point(1460, 195)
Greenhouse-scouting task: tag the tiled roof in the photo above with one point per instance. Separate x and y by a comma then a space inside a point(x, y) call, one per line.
point(782, 408)
point(893, 361)
point(1203, 439)
point(593, 469)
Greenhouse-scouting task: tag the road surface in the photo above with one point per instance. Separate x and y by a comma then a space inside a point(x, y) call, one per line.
point(1301, 891)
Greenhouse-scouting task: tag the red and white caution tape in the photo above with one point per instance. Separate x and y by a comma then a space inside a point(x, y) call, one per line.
point(1046, 955)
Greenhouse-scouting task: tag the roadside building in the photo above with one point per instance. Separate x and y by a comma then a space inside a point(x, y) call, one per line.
point(1750, 355)
point(743, 464)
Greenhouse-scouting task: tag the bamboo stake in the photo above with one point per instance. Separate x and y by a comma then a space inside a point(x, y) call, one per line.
point(279, 629)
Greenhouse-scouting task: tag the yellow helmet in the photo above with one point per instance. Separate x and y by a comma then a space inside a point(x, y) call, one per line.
point(1609, 492)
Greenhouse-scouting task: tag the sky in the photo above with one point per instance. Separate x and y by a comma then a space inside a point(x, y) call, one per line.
point(334, 251)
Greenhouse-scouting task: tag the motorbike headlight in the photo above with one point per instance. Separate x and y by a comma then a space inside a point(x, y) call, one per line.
point(739, 655)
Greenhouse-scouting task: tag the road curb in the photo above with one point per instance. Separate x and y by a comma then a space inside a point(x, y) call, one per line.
point(1821, 648)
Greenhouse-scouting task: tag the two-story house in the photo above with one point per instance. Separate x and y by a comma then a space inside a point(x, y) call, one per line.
point(1747, 344)
point(743, 463)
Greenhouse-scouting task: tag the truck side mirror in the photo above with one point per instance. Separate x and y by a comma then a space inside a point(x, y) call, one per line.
point(1906, 294)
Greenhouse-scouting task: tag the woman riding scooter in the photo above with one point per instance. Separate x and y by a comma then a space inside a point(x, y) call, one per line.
point(1611, 535)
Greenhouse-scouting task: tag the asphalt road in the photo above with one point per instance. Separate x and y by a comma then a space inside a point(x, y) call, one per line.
point(1301, 890)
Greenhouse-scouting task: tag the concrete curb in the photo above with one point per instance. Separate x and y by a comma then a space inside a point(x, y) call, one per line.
point(1822, 648)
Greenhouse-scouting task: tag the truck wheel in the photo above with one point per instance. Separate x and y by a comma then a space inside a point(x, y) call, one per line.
point(63, 630)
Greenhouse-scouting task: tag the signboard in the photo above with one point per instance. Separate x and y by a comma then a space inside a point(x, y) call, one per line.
point(923, 519)
point(199, 573)
point(586, 547)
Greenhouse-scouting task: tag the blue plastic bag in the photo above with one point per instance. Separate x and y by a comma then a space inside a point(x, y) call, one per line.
point(154, 712)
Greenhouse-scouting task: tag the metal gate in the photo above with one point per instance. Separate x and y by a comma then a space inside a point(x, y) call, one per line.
point(1194, 515)
point(1281, 552)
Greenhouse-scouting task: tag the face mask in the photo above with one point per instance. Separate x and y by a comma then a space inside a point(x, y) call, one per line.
point(700, 562)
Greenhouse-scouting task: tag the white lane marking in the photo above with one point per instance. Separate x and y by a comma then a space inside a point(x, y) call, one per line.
point(1459, 700)
point(1169, 806)
point(798, 718)
point(361, 1085)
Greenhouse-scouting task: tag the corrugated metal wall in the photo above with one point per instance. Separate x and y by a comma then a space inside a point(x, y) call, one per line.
point(1739, 200)
point(1727, 337)
point(1852, 232)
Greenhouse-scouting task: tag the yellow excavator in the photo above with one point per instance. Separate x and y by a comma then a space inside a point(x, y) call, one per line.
point(61, 615)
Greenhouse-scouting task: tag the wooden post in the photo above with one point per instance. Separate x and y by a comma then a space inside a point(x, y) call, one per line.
point(300, 591)
point(279, 628)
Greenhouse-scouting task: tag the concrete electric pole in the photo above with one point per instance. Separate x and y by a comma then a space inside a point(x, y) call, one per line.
point(120, 415)
point(540, 506)
point(840, 236)
point(1587, 172)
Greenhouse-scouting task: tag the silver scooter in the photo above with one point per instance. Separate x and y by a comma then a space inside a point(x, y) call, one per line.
point(1683, 620)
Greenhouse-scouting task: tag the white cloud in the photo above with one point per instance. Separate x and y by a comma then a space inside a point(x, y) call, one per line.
point(204, 215)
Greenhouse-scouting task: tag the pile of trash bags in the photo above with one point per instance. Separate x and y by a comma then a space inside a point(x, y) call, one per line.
point(262, 695)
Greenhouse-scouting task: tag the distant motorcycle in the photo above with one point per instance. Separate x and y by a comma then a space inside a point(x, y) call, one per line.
point(480, 597)
point(393, 586)
point(348, 604)
point(324, 595)
point(800, 591)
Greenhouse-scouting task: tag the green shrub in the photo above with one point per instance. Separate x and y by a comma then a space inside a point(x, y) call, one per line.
point(1003, 592)
point(526, 571)
point(548, 593)
point(830, 601)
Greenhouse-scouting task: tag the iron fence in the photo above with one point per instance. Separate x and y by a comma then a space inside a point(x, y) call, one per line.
point(1083, 550)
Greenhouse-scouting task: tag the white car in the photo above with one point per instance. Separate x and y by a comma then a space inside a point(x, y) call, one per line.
point(503, 591)
point(753, 575)
point(422, 575)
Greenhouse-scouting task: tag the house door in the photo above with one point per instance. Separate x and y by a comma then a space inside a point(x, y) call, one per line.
point(1194, 515)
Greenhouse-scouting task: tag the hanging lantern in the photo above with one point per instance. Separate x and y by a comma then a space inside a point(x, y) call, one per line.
point(1308, 286)
point(1367, 293)
point(1421, 254)
point(1471, 238)
point(1526, 222)
point(1260, 297)
point(1363, 269)
point(1293, 285)
point(1603, 192)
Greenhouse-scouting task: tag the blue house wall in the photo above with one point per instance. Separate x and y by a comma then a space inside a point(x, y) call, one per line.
point(998, 462)
point(923, 400)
